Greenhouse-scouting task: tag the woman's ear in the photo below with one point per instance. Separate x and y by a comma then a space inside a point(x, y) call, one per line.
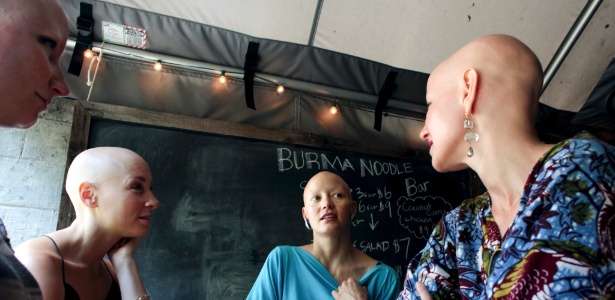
point(87, 194)
point(468, 87)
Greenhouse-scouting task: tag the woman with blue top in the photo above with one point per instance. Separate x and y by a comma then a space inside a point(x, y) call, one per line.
point(330, 266)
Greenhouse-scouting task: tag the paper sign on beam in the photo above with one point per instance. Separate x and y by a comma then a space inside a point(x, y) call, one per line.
point(124, 35)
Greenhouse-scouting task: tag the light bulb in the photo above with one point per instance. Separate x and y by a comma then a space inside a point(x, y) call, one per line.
point(158, 65)
point(222, 78)
point(88, 53)
point(333, 109)
point(280, 89)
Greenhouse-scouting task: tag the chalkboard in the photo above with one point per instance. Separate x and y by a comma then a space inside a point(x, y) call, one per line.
point(227, 201)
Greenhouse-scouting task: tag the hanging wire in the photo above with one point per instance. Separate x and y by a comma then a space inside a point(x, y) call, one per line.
point(90, 83)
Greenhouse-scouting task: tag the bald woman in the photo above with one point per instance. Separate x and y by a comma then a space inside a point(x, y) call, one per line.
point(32, 38)
point(545, 227)
point(110, 190)
point(330, 267)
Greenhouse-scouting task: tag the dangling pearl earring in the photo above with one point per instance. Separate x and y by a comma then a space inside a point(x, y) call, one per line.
point(307, 225)
point(471, 136)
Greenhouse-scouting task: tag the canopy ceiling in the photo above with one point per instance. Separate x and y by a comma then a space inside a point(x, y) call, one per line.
point(341, 49)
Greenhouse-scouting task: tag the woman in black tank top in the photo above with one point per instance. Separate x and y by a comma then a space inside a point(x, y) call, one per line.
point(69, 291)
point(109, 188)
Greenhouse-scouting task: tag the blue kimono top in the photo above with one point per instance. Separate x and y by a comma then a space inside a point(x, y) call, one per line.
point(561, 244)
point(291, 273)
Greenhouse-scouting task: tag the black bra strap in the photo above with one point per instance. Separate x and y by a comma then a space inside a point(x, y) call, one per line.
point(108, 270)
point(61, 257)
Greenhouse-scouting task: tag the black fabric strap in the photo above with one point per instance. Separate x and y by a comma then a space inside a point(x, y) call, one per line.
point(60, 254)
point(85, 27)
point(383, 97)
point(249, 71)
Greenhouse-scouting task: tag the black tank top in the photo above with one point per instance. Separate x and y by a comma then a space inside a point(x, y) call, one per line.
point(69, 291)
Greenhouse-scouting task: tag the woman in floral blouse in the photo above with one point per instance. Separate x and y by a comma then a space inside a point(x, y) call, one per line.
point(546, 226)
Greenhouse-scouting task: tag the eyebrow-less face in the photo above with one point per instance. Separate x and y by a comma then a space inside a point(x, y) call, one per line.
point(328, 204)
point(34, 33)
point(121, 181)
point(325, 182)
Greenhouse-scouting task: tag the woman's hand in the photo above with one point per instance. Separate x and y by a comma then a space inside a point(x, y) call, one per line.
point(123, 249)
point(422, 290)
point(351, 290)
point(122, 256)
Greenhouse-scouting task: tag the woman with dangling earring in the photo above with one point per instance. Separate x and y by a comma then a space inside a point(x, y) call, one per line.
point(544, 228)
point(330, 266)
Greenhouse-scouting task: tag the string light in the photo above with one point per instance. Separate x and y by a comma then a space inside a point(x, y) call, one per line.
point(333, 109)
point(280, 89)
point(88, 53)
point(120, 54)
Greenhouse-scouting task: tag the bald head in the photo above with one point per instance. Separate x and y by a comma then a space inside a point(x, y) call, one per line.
point(33, 34)
point(498, 58)
point(97, 165)
point(324, 180)
point(11, 10)
point(509, 74)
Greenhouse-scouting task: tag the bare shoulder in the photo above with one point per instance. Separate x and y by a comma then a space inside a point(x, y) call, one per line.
point(41, 258)
point(41, 247)
point(39, 253)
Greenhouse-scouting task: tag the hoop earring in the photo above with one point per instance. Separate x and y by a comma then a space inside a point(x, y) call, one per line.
point(307, 224)
point(471, 136)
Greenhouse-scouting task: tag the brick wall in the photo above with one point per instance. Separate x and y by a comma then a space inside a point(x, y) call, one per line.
point(32, 166)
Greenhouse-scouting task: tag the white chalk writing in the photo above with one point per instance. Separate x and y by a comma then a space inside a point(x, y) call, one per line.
point(288, 160)
point(377, 168)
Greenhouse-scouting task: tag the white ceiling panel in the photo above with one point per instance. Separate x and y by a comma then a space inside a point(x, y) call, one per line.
point(283, 20)
point(417, 35)
point(586, 62)
point(357, 43)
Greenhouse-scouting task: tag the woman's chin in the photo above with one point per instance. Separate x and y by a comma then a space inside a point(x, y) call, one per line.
point(444, 167)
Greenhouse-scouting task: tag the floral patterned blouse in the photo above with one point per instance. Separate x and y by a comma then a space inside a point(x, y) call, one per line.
point(561, 243)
